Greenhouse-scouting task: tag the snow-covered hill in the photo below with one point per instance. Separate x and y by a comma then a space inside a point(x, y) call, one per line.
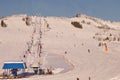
point(84, 48)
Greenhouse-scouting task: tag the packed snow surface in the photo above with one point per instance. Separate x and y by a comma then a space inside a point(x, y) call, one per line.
point(83, 50)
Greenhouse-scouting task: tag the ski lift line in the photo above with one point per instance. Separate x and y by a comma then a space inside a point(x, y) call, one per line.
point(37, 29)
point(29, 58)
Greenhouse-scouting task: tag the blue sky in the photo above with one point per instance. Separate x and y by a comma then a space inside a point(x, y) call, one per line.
point(105, 9)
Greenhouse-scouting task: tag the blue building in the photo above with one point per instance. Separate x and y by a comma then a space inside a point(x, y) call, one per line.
point(13, 67)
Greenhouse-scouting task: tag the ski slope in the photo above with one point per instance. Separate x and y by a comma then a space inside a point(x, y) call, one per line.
point(60, 37)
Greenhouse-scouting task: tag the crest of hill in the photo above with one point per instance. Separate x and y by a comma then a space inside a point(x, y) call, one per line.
point(99, 22)
point(80, 18)
point(15, 20)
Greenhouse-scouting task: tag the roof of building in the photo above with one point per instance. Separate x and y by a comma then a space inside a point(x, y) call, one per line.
point(14, 65)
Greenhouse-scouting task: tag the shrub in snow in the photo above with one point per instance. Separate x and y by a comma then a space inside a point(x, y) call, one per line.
point(28, 21)
point(110, 34)
point(107, 38)
point(118, 39)
point(99, 44)
point(3, 24)
point(77, 24)
point(23, 19)
point(78, 15)
point(83, 21)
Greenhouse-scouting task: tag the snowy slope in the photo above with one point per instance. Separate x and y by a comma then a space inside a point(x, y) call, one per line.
point(63, 37)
